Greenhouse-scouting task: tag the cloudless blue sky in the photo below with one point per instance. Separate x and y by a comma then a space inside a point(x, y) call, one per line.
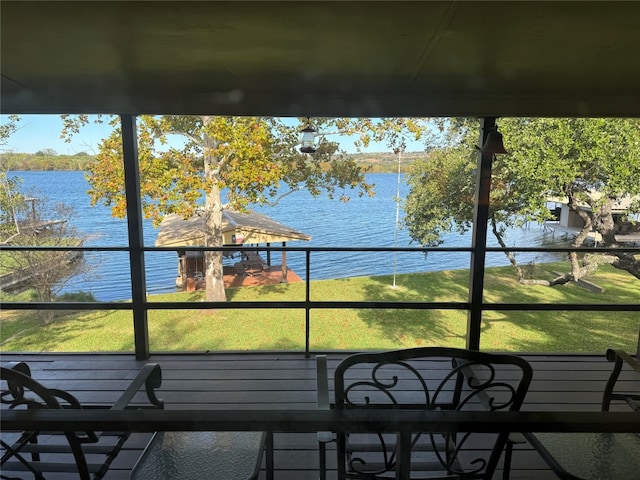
point(37, 132)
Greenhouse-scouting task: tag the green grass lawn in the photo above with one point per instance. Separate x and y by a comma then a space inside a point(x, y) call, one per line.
point(361, 329)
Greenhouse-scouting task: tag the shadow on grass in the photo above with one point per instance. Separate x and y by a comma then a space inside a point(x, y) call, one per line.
point(281, 344)
point(84, 332)
point(560, 331)
point(416, 327)
point(530, 330)
point(280, 329)
point(185, 330)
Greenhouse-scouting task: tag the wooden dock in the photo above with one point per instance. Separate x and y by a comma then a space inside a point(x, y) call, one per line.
point(630, 238)
point(270, 275)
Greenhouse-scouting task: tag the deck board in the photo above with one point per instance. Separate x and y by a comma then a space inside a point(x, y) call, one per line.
point(288, 381)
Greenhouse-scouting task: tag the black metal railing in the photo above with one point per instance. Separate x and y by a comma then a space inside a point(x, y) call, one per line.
point(312, 420)
point(308, 304)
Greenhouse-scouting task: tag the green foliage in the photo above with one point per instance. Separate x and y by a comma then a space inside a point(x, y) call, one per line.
point(38, 224)
point(386, 162)
point(78, 296)
point(573, 156)
point(12, 204)
point(47, 152)
point(594, 161)
point(377, 162)
point(256, 159)
point(30, 161)
point(441, 195)
point(8, 129)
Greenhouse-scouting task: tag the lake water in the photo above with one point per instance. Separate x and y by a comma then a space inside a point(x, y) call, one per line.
point(361, 222)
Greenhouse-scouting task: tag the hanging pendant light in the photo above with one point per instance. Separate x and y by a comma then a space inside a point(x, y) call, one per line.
point(493, 144)
point(308, 138)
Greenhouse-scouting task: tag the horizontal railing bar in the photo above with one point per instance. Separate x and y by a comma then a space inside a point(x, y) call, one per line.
point(236, 305)
point(402, 249)
point(633, 250)
point(243, 248)
point(564, 249)
point(602, 307)
point(316, 249)
point(327, 305)
point(63, 249)
point(570, 307)
point(67, 306)
point(373, 420)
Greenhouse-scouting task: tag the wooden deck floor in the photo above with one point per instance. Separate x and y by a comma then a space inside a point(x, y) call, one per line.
point(288, 381)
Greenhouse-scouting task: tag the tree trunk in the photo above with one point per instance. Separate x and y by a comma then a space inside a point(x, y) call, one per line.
point(213, 222)
point(514, 263)
point(45, 295)
point(510, 256)
point(605, 225)
point(587, 223)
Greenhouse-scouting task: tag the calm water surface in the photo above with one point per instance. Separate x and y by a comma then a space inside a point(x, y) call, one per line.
point(361, 222)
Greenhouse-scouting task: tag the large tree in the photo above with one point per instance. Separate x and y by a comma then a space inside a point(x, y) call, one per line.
point(254, 159)
point(591, 163)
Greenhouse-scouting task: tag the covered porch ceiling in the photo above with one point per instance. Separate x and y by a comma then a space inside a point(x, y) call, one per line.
point(445, 58)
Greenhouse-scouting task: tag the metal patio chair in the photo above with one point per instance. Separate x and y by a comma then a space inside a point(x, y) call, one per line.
point(84, 455)
point(431, 378)
point(612, 392)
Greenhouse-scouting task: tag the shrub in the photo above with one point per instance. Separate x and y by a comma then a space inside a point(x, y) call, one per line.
point(76, 297)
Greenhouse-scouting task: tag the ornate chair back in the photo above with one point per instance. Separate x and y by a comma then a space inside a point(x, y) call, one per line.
point(431, 378)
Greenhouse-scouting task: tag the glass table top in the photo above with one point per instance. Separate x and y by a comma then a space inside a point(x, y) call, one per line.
point(201, 455)
point(590, 456)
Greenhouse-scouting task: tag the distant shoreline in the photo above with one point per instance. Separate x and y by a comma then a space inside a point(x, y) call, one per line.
point(377, 162)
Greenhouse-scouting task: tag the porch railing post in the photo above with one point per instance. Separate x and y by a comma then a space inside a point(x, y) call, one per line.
point(307, 310)
point(479, 238)
point(136, 241)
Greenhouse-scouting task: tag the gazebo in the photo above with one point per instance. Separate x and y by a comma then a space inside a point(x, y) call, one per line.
point(238, 229)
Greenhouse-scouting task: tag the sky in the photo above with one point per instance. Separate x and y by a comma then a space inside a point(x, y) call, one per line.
point(39, 132)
